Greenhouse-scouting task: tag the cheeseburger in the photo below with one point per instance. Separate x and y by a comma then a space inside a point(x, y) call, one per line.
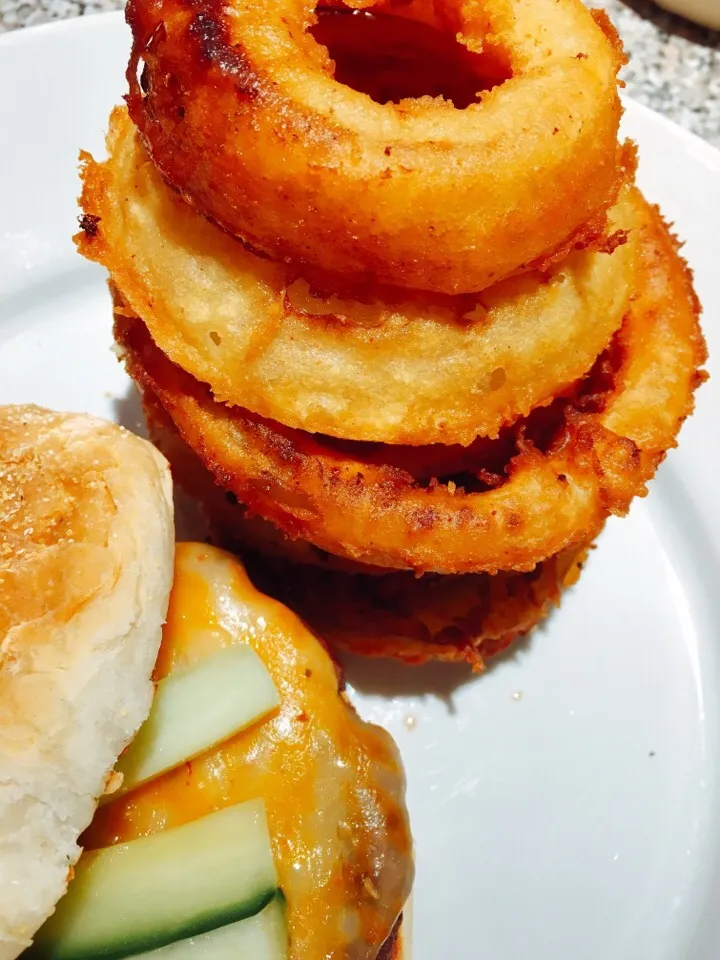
point(254, 815)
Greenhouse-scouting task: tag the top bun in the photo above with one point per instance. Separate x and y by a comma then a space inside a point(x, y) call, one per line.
point(86, 559)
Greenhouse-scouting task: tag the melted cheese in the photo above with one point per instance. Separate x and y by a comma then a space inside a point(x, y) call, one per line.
point(333, 785)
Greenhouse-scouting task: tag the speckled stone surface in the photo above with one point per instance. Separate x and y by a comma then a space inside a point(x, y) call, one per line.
point(674, 68)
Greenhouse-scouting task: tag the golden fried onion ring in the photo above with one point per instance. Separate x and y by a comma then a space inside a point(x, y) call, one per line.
point(240, 110)
point(220, 510)
point(546, 499)
point(373, 612)
point(448, 368)
point(470, 617)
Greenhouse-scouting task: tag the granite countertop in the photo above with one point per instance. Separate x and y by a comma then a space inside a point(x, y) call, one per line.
point(674, 68)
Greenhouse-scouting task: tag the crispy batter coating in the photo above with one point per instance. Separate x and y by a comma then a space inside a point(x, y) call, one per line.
point(241, 111)
point(230, 522)
point(449, 369)
point(545, 486)
point(371, 611)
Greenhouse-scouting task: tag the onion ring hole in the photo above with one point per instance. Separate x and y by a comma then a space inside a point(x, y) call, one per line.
point(392, 58)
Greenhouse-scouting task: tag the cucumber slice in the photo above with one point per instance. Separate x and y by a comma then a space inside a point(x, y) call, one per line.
point(137, 896)
point(195, 709)
point(262, 937)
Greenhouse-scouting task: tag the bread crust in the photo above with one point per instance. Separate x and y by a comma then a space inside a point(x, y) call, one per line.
point(86, 559)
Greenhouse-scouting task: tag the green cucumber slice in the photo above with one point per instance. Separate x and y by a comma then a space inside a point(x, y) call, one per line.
point(137, 896)
point(262, 937)
point(197, 708)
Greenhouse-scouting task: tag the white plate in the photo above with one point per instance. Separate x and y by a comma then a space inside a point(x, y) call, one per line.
point(565, 805)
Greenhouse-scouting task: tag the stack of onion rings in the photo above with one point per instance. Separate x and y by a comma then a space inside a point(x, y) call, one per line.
point(245, 325)
point(411, 349)
point(603, 443)
point(366, 610)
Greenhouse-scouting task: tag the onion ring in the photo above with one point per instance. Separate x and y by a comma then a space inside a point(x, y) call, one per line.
point(227, 518)
point(371, 611)
point(549, 497)
point(241, 113)
point(245, 325)
point(470, 617)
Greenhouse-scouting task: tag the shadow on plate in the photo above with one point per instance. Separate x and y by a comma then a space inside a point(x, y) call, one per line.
point(128, 412)
point(389, 678)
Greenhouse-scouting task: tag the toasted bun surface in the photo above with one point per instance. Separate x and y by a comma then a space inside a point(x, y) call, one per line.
point(86, 560)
